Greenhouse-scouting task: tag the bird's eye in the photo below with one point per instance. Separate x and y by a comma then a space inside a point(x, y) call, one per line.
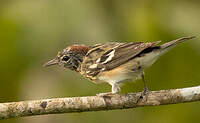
point(65, 58)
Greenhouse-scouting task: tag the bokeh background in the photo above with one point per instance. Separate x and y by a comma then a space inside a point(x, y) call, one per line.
point(32, 32)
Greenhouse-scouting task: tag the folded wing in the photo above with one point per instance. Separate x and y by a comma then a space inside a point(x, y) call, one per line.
point(109, 56)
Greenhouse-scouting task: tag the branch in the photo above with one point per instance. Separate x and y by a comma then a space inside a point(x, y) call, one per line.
point(96, 103)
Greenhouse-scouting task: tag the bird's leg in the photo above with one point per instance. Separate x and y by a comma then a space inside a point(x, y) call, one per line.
point(145, 91)
point(115, 90)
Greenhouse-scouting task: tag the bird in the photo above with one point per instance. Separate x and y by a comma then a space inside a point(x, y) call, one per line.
point(114, 62)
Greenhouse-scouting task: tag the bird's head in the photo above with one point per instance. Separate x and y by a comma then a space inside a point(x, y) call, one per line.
point(70, 57)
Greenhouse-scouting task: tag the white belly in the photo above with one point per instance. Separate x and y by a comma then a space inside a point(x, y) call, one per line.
point(121, 77)
point(120, 74)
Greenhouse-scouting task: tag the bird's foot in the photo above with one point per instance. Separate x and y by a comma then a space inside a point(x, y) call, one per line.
point(144, 94)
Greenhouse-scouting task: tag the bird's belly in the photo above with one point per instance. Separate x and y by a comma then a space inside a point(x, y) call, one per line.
point(119, 78)
point(120, 74)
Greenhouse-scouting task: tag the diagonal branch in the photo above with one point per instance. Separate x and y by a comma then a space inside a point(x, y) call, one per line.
point(96, 103)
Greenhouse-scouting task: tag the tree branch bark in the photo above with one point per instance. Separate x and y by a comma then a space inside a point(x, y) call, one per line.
point(96, 103)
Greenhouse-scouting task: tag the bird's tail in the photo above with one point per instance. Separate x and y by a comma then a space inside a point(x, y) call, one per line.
point(154, 52)
point(174, 42)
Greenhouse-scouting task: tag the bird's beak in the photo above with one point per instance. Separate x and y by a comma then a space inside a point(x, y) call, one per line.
point(51, 62)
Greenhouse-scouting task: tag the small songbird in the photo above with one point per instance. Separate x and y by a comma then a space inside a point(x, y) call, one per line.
point(113, 63)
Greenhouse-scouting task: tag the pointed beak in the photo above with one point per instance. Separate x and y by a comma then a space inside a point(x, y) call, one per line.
point(51, 62)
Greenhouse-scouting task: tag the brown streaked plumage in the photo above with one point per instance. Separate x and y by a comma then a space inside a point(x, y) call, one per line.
point(113, 62)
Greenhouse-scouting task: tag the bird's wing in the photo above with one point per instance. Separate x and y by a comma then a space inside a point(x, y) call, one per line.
point(111, 55)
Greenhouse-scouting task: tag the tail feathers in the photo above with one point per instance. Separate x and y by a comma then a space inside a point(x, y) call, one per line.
point(174, 42)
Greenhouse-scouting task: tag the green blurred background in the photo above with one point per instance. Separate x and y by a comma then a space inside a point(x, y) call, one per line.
point(32, 31)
